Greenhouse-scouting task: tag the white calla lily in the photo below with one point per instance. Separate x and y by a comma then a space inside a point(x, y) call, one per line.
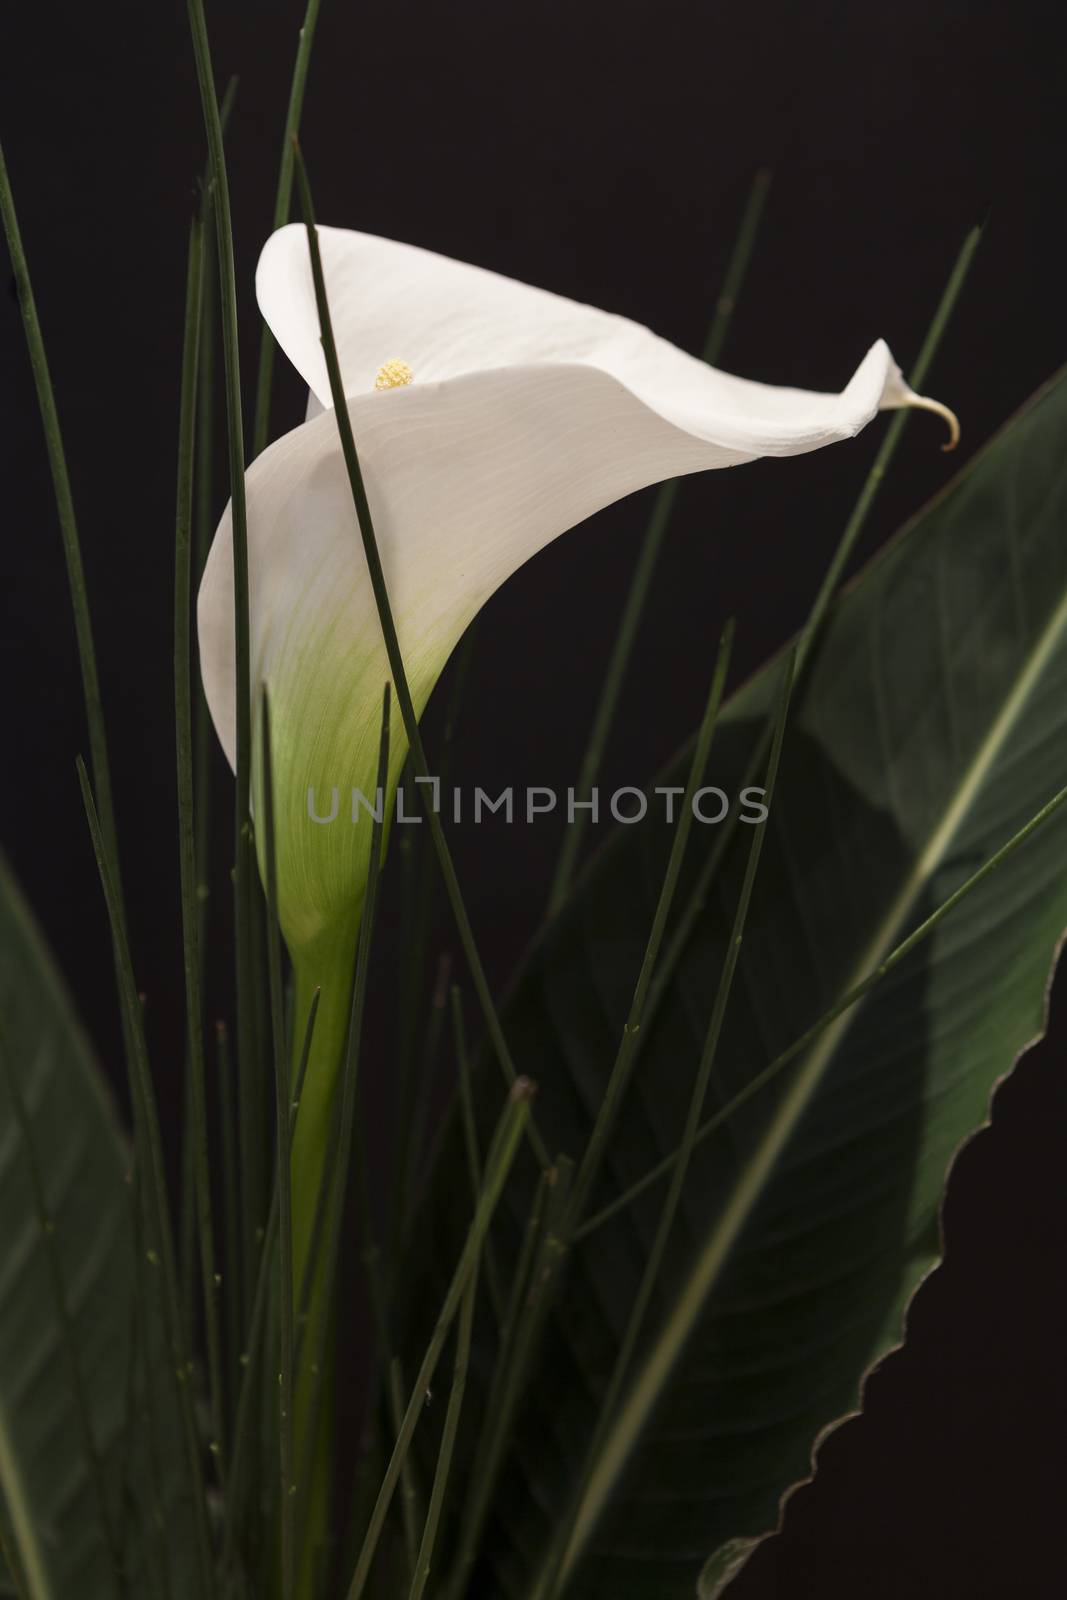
point(489, 417)
point(510, 414)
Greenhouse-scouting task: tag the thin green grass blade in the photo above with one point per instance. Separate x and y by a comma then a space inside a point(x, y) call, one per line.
point(706, 1271)
point(595, 1479)
point(509, 1132)
point(419, 876)
point(470, 1141)
point(282, 206)
point(188, 1250)
point(395, 1388)
point(205, 511)
point(142, 1094)
point(413, 1144)
point(424, 1563)
point(286, 1380)
point(396, 661)
point(313, 1264)
point(204, 529)
point(231, 1210)
point(202, 731)
point(737, 266)
point(129, 1501)
point(627, 1052)
point(466, 1103)
point(190, 907)
point(847, 1001)
point(409, 1514)
point(244, 868)
point(256, 1078)
point(662, 510)
point(810, 634)
point(252, 1356)
point(68, 527)
point(812, 629)
point(157, 1547)
point(533, 1289)
point(22, 1551)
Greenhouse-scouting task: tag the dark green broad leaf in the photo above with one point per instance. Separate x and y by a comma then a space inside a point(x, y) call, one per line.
point(933, 725)
point(88, 1454)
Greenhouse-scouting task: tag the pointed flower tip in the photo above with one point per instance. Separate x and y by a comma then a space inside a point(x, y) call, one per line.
point(920, 402)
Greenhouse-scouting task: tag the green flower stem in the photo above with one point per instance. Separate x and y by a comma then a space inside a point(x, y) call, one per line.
point(327, 969)
point(313, 1254)
point(312, 1418)
point(662, 510)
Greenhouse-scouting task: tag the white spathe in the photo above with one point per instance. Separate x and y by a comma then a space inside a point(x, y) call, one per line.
point(527, 413)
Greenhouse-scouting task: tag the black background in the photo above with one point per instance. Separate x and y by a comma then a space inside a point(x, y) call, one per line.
point(604, 151)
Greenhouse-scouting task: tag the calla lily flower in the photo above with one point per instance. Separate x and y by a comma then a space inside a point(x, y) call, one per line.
point(490, 417)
